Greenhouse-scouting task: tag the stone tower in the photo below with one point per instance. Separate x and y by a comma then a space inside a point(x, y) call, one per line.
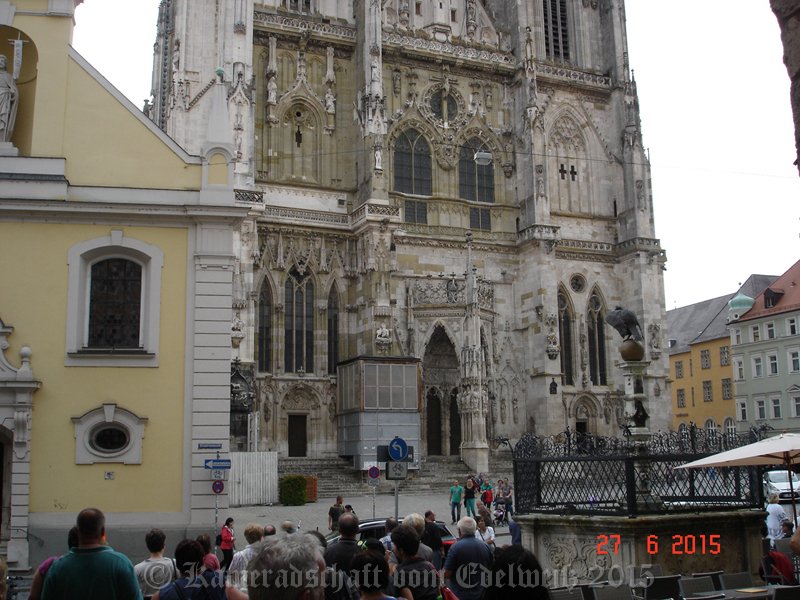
point(370, 136)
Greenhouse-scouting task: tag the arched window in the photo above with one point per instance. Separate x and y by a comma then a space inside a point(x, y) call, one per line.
point(475, 182)
point(730, 427)
point(264, 336)
point(412, 164)
point(299, 321)
point(115, 300)
point(595, 326)
point(565, 334)
point(556, 30)
point(333, 331)
point(711, 428)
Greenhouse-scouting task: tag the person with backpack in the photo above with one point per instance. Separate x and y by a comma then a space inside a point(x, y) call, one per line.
point(226, 541)
point(196, 583)
point(156, 571)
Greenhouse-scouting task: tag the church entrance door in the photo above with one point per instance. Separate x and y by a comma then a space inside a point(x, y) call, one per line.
point(433, 416)
point(298, 435)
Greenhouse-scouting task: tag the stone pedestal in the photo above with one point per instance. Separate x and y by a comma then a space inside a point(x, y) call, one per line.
point(8, 149)
point(680, 543)
point(476, 455)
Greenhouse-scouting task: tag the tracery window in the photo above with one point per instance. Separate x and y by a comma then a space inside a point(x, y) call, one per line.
point(115, 300)
point(333, 331)
point(565, 321)
point(412, 164)
point(299, 323)
point(556, 30)
point(264, 336)
point(595, 326)
point(475, 182)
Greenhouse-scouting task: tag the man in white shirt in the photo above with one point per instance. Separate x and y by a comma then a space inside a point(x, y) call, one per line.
point(238, 569)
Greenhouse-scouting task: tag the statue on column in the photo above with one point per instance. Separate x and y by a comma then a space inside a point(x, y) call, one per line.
point(9, 100)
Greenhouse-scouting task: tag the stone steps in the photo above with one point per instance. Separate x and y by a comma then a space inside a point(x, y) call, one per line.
point(337, 476)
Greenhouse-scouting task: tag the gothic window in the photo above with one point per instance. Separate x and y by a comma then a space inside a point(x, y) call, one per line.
point(556, 31)
point(565, 333)
point(115, 299)
point(412, 164)
point(480, 218)
point(333, 331)
point(475, 182)
point(264, 338)
point(303, 6)
point(416, 211)
point(444, 108)
point(595, 325)
point(299, 323)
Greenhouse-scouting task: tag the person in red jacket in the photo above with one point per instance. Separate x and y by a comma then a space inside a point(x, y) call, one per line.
point(228, 543)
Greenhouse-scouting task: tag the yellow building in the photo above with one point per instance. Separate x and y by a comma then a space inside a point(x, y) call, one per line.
point(115, 303)
point(700, 363)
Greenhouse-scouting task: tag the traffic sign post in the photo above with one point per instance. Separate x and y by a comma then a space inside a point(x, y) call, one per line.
point(396, 470)
point(217, 463)
point(374, 472)
point(218, 486)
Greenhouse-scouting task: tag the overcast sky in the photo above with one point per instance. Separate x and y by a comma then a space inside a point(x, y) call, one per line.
point(716, 117)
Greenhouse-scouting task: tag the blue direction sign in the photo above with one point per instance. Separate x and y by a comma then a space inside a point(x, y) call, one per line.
point(398, 449)
point(217, 463)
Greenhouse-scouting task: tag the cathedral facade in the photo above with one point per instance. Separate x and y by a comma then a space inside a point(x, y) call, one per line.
point(446, 197)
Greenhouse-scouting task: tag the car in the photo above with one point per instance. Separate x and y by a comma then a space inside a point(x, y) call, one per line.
point(777, 482)
point(376, 528)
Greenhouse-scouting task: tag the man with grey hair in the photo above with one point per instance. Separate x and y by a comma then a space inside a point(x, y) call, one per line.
point(287, 567)
point(417, 521)
point(466, 561)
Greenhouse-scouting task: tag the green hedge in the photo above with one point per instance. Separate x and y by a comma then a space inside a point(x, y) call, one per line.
point(293, 490)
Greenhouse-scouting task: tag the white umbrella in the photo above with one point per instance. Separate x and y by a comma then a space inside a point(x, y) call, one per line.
point(783, 449)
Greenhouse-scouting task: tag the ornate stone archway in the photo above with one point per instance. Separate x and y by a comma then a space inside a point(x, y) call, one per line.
point(440, 371)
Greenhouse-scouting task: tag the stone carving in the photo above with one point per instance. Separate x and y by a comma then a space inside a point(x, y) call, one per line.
point(450, 291)
point(300, 397)
point(330, 102)
point(272, 91)
point(515, 410)
point(503, 411)
point(9, 99)
point(654, 335)
point(383, 336)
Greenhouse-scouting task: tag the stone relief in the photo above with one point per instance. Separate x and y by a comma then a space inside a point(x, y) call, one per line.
point(300, 397)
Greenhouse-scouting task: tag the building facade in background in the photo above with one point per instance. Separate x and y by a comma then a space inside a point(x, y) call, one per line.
point(700, 362)
point(369, 138)
point(765, 354)
point(115, 307)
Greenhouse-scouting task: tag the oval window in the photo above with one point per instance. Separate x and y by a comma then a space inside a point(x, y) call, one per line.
point(109, 439)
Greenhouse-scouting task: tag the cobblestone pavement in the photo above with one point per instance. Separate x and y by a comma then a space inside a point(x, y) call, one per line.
point(315, 515)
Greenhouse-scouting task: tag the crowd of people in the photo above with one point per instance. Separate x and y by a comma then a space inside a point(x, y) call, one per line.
point(283, 563)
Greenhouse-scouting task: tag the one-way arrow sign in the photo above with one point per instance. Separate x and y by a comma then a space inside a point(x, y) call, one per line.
point(217, 463)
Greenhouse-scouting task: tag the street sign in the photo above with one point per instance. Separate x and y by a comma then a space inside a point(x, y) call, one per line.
point(374, 472)
point(217, 473)
point(218, 486)
point(398, 449)
point(396, 470)
point(217, 463)
point(373, 483)
point(209, 446)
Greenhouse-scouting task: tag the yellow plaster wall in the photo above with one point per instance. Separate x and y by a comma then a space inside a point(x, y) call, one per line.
point(106, 145)
point(36, 255)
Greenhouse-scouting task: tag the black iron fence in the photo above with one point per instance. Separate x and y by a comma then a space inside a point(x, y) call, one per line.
point(587, 474)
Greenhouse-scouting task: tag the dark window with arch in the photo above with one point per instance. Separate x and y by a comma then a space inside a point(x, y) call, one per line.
point(595, 325)
point(475, 182)
point(480, 218)
point(412, 164)
point(299, 319)
point(444, 107)
point(115, 304)
point(556, 32)
point(565, 335)
point(333, 331)
point(264, 340)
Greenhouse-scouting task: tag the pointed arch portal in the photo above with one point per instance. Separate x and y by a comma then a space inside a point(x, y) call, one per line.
point(440, 376)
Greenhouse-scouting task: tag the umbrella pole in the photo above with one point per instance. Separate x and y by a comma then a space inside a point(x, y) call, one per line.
point(791, 491)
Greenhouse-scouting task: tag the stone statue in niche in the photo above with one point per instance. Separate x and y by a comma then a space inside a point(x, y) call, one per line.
point(378, 159)
point(272, 91)
point(382, 336)
point(9, 99)
point(330, 102)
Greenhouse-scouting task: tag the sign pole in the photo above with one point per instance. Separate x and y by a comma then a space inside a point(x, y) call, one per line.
point(396, 495)
point(373, 501)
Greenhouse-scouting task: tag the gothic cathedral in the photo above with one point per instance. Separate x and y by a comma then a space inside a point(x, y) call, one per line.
point(446, 197)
